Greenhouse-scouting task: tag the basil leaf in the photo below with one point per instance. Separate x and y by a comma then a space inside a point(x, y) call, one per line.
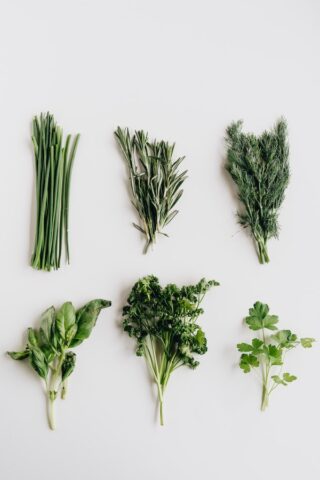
point(65, 318)
point(71, 333)
point(38, 362)
point(86, 319)
point(45, 332)
point(19, 355)
point(33, 340)
point(68, 365)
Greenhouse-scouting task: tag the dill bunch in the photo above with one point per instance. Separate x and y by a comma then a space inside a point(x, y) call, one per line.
point(259, 167)
point(154, 179)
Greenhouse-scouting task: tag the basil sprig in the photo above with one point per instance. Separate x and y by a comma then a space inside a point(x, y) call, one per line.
point(48, 348)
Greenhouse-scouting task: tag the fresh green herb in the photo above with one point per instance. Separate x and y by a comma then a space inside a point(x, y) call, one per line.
point(268, 351)
point(155, 181)
point(259, 167)
point(48, 348)
point(53, 167)
point(163, 321)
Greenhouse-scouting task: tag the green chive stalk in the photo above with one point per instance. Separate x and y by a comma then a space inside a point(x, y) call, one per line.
point(53, 167)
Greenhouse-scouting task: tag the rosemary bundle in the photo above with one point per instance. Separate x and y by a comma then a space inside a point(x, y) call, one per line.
point(155, 181)
point(259, 167)
point(53, 167)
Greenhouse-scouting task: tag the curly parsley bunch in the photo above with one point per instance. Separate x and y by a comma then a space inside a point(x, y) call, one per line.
point(164, 322)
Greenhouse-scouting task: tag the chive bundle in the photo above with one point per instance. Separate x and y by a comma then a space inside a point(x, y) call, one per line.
point(155, 181)
point(53, 167)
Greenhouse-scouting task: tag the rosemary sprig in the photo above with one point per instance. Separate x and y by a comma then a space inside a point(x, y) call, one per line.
point(259, 166)
point(53, 167)
point(155, 181)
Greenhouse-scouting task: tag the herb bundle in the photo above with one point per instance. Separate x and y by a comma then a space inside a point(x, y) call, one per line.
point(268, 351)
point(155, 181)
point(48, 349)
point(53, 167)
point(163, 321)
point(259, 167)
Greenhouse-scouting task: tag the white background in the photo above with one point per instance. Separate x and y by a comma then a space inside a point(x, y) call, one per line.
point(183, 70)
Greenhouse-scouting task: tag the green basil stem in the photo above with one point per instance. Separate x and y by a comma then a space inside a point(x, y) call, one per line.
point(53, 389)
point(64, 389)
point(51, 416)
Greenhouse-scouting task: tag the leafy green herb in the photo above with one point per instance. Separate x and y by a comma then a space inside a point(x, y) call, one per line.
point(53, 166)
point(163, 321)
point(48, 348)
point(259, 167)
point(155, 181)
point(268, 352)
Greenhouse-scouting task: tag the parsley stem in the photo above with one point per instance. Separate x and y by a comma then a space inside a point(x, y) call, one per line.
point(265, 397)
point(160, 398)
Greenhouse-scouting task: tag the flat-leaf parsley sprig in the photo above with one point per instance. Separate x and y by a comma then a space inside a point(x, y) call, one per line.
point(259, 167)
point(48, 348)
point(163, 320)
point(267, 352)
point(155, 181)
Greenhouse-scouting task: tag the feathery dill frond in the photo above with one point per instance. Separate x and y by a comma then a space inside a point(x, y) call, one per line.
point(259, 167)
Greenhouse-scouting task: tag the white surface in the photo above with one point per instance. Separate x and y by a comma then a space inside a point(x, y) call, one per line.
point(183, 71)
